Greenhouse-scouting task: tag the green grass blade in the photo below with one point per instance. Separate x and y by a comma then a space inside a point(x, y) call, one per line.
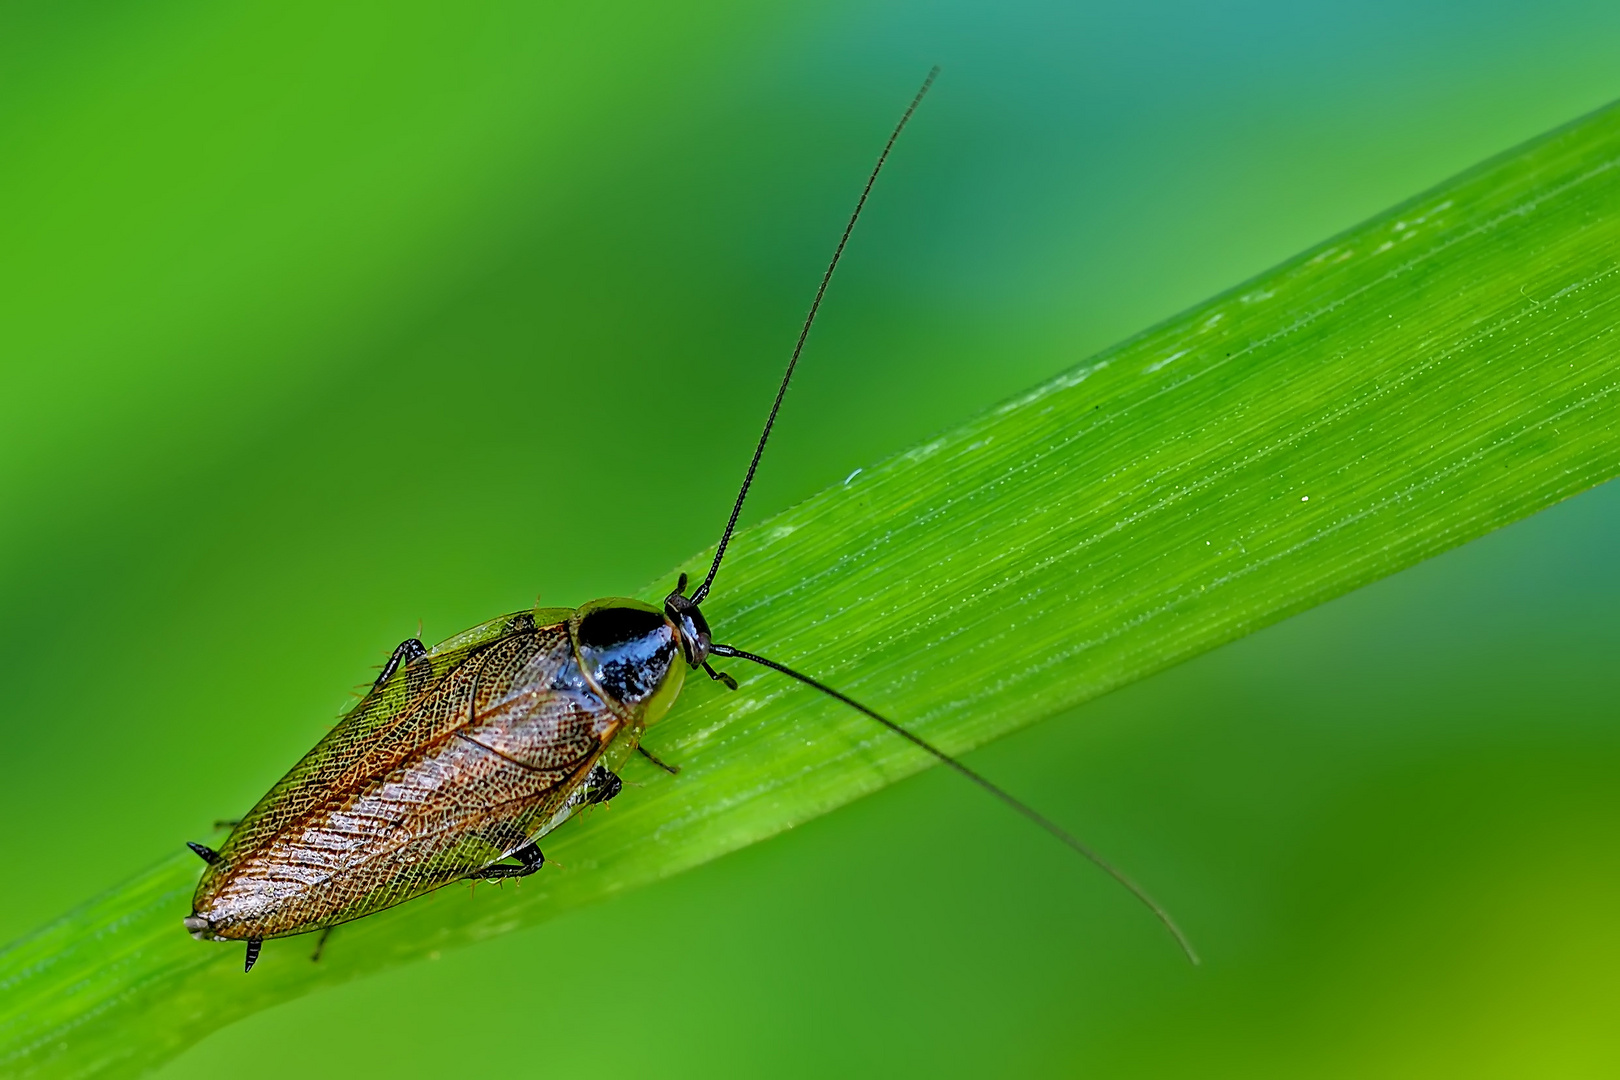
point(1431, 375)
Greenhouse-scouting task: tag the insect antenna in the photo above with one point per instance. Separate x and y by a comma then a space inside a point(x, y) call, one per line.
point(798, 347)
point(715, 649)
point(1015, 803)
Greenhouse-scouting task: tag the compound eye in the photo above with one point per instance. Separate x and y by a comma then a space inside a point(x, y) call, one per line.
point(694, 629)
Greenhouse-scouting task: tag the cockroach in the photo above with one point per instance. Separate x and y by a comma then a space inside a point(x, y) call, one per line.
point(462, 757)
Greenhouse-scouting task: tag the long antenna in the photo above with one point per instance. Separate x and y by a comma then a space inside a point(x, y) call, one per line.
point(1022, 807)
point(815, 305)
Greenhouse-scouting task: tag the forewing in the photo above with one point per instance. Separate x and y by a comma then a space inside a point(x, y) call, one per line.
point(509, 776)
point(424, 700)
point(451, 807)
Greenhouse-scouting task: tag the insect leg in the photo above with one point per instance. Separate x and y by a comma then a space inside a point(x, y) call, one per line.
point(252, 954)
point(227, 823)
point(203, 852)
point(650, 756)
point(320, 946)
point(720, 676)
point(406, 651)
point(600, 786)
point(528, 855)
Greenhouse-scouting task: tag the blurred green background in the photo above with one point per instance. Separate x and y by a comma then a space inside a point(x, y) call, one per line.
point(319, 320)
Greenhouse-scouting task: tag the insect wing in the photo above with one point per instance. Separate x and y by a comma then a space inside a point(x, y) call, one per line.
point(418, 787)
point(381, 729)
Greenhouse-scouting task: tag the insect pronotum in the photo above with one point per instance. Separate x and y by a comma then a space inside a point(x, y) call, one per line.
point(460, 758)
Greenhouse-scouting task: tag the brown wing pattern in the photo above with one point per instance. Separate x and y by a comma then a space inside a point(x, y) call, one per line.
point(446, 782)
point(379, 730)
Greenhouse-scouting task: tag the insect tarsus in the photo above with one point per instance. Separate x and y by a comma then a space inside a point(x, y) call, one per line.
point(404, 653)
